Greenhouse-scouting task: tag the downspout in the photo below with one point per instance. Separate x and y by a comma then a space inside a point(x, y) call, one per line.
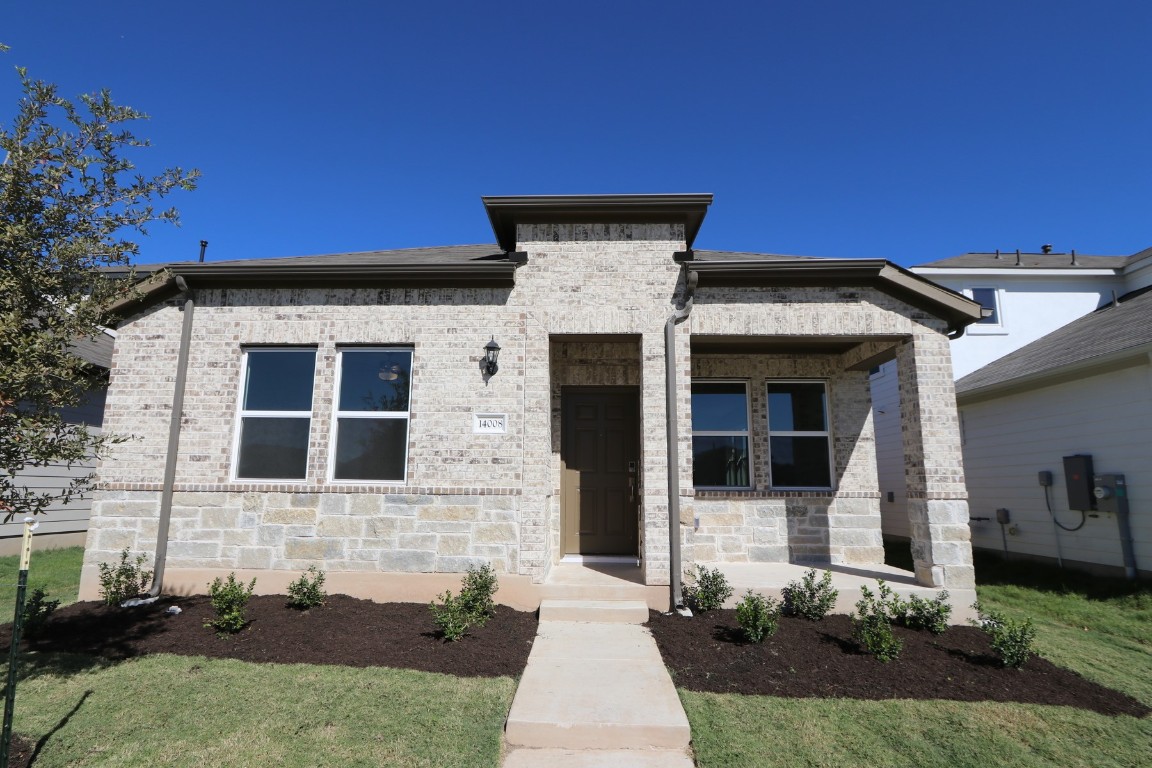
point(691, 278)
point(173, 439)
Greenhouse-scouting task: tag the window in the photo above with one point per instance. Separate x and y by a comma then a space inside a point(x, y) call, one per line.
point(720, 434)
point(275, 414)
point(798, 437)
point(373, 387)
point(986, 298)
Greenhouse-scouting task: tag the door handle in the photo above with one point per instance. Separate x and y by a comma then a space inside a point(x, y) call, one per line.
point(632, 488)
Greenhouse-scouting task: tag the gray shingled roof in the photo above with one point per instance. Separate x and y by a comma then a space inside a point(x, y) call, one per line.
point(1007, 260)
point(95, 351)
point(1108, 331)
point(447, 254)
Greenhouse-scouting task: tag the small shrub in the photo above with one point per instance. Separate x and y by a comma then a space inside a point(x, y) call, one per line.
point(872, 623)
point(452, 616)
point(124, 580)
point(918, 613)
point(308, 590)
point(37, 610)
point(476, 592)
point(710, 590)
point(1011, 639)
point(758, 616)
point(229, 599)
point(810, 599)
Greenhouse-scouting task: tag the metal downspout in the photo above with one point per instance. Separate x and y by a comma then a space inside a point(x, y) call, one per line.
point(173, 440)
point(690, 281)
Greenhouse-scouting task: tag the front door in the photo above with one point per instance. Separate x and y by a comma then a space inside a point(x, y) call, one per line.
point(599, 493)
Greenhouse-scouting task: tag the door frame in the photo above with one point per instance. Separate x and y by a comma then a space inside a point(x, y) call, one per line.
point(565, 503)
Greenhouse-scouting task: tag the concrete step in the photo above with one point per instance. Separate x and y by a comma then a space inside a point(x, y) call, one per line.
point(596, 686)
point(524, 757)
point(602, 611)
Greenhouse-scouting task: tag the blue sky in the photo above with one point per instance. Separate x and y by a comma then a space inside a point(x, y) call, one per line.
point(902, 130)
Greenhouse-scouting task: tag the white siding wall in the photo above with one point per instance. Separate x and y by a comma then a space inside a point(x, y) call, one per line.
point(1029, 308)
point(1010, 439)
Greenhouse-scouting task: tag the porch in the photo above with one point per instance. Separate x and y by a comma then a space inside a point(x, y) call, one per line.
point(625, 581)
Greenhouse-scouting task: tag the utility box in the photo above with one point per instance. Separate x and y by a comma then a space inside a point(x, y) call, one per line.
point(1078, 477)
point(1110, 491)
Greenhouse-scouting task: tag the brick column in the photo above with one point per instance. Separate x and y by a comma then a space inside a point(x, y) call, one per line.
point(933, 466)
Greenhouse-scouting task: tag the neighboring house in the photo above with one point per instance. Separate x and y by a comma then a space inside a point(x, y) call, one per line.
point(1028, 297)
point(338, 411)
point(66, 525)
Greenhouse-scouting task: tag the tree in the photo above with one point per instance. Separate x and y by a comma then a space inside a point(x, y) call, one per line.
point(71, 201)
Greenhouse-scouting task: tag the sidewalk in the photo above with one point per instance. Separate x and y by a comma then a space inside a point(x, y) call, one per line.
point(596, 693)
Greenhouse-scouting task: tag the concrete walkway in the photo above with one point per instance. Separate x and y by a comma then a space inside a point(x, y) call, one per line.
point(595, 693)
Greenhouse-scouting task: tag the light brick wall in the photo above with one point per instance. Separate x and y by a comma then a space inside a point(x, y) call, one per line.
point(470, 497)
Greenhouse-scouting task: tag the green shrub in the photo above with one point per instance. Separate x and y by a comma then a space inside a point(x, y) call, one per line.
point(872, 623)
point(810, 599)
point(124, 580)
point(229, 599)
point(709, 590)
point(758, 616)
point(918, 613)
point(452, 616)
point(37, 610)
point(474, 605)
point(308, 590)
point(476, 592)
point(1011, 639)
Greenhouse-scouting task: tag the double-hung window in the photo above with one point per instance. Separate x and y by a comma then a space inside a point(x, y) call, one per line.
point(372, 392)
point(799, 442)
point(720, 454)
point(275, 413)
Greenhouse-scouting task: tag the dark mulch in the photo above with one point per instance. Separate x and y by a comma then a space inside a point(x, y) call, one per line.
point(807, 659)
point(20, 752)
point(345, 631)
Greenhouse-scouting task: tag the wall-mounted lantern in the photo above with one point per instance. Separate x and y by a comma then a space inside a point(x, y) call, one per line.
point(491, 353)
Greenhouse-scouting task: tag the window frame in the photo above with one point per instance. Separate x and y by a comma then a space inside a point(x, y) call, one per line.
point(983, 326)
point(242, 413)
point(337, 414)
point(746, 434)
point(826, 434)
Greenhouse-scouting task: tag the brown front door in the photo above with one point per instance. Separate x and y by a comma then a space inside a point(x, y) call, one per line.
point(599, 495)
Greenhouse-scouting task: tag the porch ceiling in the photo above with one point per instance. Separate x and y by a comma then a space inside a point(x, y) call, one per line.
point(751, 345)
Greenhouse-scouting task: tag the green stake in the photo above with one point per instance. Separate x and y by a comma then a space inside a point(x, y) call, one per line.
point(17, 623)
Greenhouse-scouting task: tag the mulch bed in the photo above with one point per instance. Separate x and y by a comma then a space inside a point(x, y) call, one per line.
point(345, 631)
point(807, 659)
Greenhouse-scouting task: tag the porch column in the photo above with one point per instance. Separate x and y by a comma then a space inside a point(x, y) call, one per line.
point(933, 464)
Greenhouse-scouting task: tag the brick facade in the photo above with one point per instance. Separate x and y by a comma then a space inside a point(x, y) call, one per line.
point(470, 498)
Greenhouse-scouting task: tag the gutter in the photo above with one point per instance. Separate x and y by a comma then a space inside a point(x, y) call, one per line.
point(173, 439)
point(691, 278)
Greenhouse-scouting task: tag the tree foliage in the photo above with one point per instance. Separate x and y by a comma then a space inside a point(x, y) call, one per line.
point(71, 202)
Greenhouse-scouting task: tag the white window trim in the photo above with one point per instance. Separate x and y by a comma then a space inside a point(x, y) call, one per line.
point(337, 414)
point(241, 413)
point(746, 434)
point(998, 328)
point(827, 434)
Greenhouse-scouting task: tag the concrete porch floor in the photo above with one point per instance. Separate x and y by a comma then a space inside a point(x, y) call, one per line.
point(769, 579)
point(625, 581)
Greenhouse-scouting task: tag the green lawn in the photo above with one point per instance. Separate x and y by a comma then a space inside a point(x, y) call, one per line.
point(1100, 628)
point(56, 570)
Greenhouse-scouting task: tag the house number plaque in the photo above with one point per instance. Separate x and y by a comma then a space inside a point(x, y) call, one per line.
point(489, 423)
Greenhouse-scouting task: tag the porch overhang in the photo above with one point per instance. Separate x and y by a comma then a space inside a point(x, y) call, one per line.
point(958, 310)
point(857, 353)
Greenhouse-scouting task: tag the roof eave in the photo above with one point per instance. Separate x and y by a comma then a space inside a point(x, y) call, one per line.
point(505, 212)
point(1124, 358)
point(958, 310)
point(474, 274)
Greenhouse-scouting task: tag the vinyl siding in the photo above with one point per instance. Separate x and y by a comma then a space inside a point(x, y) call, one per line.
point(1012, 438)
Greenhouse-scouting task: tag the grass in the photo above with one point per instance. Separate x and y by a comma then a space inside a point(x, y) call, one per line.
point(57, 570)
point(1097, 627)
point(169, 710)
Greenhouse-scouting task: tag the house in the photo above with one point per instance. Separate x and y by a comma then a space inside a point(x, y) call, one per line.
point(66, 525)
point(1040, 309)
point(395, 417)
